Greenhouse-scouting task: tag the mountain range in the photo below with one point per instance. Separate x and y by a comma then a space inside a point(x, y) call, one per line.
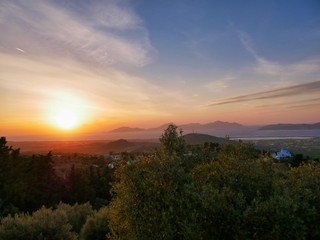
point(184, 127)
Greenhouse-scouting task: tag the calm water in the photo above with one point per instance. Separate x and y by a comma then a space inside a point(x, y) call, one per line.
point(268, 138)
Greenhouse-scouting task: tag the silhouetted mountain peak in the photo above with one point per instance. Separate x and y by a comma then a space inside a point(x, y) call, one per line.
point(184, 127)
point(221, 124)
point(198, 138)
point(119, 144)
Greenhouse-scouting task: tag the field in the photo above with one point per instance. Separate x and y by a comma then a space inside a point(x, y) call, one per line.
point(308, 146)
point(85, 147)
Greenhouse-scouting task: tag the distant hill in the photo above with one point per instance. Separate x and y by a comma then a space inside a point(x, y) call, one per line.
point(220, 124)
point(126, 129)
point(119, 144)
point(160, 128)
point(122, 145)
point(191, 126)
point(197, 138)
point(291, 127)
point(184, 127)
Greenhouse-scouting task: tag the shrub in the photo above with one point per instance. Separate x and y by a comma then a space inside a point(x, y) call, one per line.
point(43, 224)
point(76, 214)
point(96, 226)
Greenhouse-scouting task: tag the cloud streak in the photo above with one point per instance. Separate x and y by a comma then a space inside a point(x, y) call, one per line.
point(113, 35)
point(296, 90)
point(108, 93)
point(301, 104)
point(264, 66)
point(20, 50)
point(283, 72)
point(218, 84)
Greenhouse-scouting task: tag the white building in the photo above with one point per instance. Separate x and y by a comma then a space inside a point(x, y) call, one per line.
point(282, 154)
point(111, 165)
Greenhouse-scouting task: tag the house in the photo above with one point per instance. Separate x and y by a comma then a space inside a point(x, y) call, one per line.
point(282, 154)
point(111, 165)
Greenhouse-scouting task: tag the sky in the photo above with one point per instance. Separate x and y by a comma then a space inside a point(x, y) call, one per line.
point(92, 65)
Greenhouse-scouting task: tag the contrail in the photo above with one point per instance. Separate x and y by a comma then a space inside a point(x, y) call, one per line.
point(295, 90)
point(19, 49)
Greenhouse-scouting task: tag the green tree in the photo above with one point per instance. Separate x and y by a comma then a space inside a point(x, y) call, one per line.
point(172, 141)
point(149, 198)
point(42, 224)
point(297, 160)
point(77, 186)
point(99, 180)
point(77, 214)
point(96, 226)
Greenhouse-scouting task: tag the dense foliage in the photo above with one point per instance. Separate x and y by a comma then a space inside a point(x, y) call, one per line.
point(209, 191)
point(230, 192)
point(42, 224)
point(96, 226)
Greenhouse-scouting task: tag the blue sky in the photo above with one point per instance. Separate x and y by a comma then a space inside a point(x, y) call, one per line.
point(142, 63)
point(206, 34)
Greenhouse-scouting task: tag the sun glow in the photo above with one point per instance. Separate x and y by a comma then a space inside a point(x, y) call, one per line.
point(67, 111)
point(67, 119)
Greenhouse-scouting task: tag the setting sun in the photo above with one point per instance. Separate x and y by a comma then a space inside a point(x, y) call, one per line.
point(66, 119)
point(66, 111)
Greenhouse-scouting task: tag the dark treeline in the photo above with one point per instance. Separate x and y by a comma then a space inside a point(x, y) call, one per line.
point(209, 191)
point(29, 182)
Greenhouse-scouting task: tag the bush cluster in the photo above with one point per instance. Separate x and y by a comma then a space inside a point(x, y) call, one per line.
point(63, 223)
point(229, 193)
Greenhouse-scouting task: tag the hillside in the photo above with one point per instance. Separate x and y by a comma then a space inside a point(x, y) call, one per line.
point(220, 124)
point(197, 138)
point(122, 145)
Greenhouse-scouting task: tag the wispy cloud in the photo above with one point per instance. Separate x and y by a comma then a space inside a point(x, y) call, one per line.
point(218, 85)
point(64, 53)
point(110, 15)
point(283, 72)
point(108, 93)
point(296, 90)
point(110, 35)
point(305, 103)
point(264, 66)
point(293, 104)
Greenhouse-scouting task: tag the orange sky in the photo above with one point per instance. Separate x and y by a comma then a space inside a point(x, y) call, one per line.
point(73, 73)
